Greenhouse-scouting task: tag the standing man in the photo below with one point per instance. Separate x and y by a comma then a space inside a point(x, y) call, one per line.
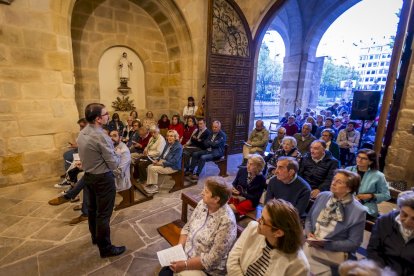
point(99, 160)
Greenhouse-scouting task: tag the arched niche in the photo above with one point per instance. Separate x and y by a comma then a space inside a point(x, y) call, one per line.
point(109, 77)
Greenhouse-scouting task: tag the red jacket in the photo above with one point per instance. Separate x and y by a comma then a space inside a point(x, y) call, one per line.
point(179, 128)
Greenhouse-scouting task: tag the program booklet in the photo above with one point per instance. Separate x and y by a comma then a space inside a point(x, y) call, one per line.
point(172, 254)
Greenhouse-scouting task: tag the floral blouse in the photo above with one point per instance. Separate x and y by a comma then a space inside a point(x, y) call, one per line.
point(210, 236)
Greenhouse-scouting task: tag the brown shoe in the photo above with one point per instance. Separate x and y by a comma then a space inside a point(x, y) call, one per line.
point(78, 220)
point(77, 207)
point(58, 200)
point(194, 177)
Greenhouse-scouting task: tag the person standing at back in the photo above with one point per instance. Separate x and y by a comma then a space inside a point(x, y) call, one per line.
point(99, 160)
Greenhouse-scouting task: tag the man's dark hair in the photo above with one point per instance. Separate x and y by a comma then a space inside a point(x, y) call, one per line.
point(292, 163)
point(93, 111)
point(82, 121)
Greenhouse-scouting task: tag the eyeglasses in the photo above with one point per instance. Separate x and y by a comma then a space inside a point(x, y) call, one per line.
point(261, 221)
point(106, 114)
point(362, 158)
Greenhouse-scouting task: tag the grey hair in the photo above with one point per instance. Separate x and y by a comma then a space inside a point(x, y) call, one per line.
point(258, 161)
point(292, 140)
point(406, 199)
point(154, 128)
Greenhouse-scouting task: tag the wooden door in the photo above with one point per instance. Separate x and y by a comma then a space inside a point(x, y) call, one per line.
point(229, 71)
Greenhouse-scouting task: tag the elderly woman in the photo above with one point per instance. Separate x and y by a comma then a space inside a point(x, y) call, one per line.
point(167, 163)
point(248, 186)
point(335, 224)
point(152, 151)
point(271, 246)
point(392, 238)
point(289, 148)
point(374, 187)
point(209, 234)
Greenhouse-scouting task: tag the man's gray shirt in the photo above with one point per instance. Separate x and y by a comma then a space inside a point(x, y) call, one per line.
point(96, 151)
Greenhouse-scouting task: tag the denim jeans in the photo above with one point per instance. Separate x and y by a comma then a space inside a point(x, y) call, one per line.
point(75, 190)
point(199, 159)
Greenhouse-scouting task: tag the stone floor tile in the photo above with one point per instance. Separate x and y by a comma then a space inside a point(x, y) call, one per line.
point(55, 230)
point(116, 268)
point(25, 227)
point(6, 203)
point(79, 231)
point(73, 258)
point(7, 245)
point(26, 249)
point(48, 211)
point(7, 220)
point(143, 267)
point(23, 208)
point(150, 251)
point(27, 267)
point(150, 224)
point(124, 234)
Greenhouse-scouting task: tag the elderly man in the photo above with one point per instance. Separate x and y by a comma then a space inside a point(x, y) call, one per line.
point(139, 142)
point(288, 186)
point(318, 167)
point(328, 135)
point(99, 160)
point(291, 126)
point(257, 141)
point(214, 145)
point(304, 139)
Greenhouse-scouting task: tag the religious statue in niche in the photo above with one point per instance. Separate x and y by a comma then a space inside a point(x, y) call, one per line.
point(124, 67)
point(124, 104)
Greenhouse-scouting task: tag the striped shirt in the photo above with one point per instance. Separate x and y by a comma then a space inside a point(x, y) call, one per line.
point(259, 267)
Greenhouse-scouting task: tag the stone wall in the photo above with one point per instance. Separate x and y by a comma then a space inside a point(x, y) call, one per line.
point(37, 101)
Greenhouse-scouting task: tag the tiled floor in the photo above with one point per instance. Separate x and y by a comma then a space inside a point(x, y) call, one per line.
point(36, 239)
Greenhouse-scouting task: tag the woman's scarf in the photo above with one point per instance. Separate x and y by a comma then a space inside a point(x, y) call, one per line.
point(334, 210)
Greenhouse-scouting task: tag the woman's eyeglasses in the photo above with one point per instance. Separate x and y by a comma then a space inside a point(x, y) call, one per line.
point(261, 221)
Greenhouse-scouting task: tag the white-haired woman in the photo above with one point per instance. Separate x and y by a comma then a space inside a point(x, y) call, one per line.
point(168, 162)
point(248, 186)
point(288, 149)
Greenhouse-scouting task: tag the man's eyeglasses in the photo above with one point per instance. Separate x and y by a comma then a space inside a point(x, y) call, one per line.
point(106, 114)
point(362, 158)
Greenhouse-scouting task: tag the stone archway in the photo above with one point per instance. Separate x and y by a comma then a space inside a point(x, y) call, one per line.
point(155, 30)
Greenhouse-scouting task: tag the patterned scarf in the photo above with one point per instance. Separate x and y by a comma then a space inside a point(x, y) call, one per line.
point(334, 210)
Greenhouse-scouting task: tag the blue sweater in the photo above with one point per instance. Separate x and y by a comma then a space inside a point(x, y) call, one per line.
point(173, 157)
point(373, 182)
point(296, 192)
point(348, 234)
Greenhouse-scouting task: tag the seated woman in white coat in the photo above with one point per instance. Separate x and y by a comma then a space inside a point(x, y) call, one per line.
point(272, 245)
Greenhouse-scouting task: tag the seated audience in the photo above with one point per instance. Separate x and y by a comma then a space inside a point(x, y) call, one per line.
point(128, 130)
point(116, 123)
point(335, 225)
point(348, 140)
point(168, 162)
point(338, 126)
point(139, 142)
point(134, 115)
point(248, 186)
point(163, 124)
point(189, 129)
point(369, 133)
point(288, 148)
point(374, 187)
point(256, 142)
point(304, 139)
point(134, 136)
point(329, 122)
point(318, 167)
point(285, 118)
point(320, 120)
point(196, 143)
point(287, 185)
point(327, 135)
point(277, 142)
point(190, 109)
point(149, 120)
point(270, 246)
point(214, 149)
point(298, 116)
point(177, 125)
point(333, 109)
point(207, 244)
point(392, 238)
point(312, 121)
point(291, 126)
point(68, 155)
point(153, 150)
point(363, 267)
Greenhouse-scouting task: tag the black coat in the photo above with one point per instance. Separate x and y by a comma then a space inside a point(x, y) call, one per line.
point(199, 143)
point(252, 191)
point(388, 248)
point(318, 175)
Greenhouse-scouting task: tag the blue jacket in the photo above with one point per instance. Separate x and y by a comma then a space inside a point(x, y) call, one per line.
point(348, 234)
point(173, 158)
point(373, 182)
point(217, 145)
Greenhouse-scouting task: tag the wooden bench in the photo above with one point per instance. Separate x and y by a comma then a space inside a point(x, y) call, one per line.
point(179, 179)
point(128, 196)
point(222, 162)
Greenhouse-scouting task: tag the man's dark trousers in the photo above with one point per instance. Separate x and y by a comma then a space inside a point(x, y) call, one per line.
point(102, 191)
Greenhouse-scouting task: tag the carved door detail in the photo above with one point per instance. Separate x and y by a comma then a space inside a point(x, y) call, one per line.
point(229, 71)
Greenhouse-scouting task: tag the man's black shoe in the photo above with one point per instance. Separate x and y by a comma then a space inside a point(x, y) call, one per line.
point(113, 251)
